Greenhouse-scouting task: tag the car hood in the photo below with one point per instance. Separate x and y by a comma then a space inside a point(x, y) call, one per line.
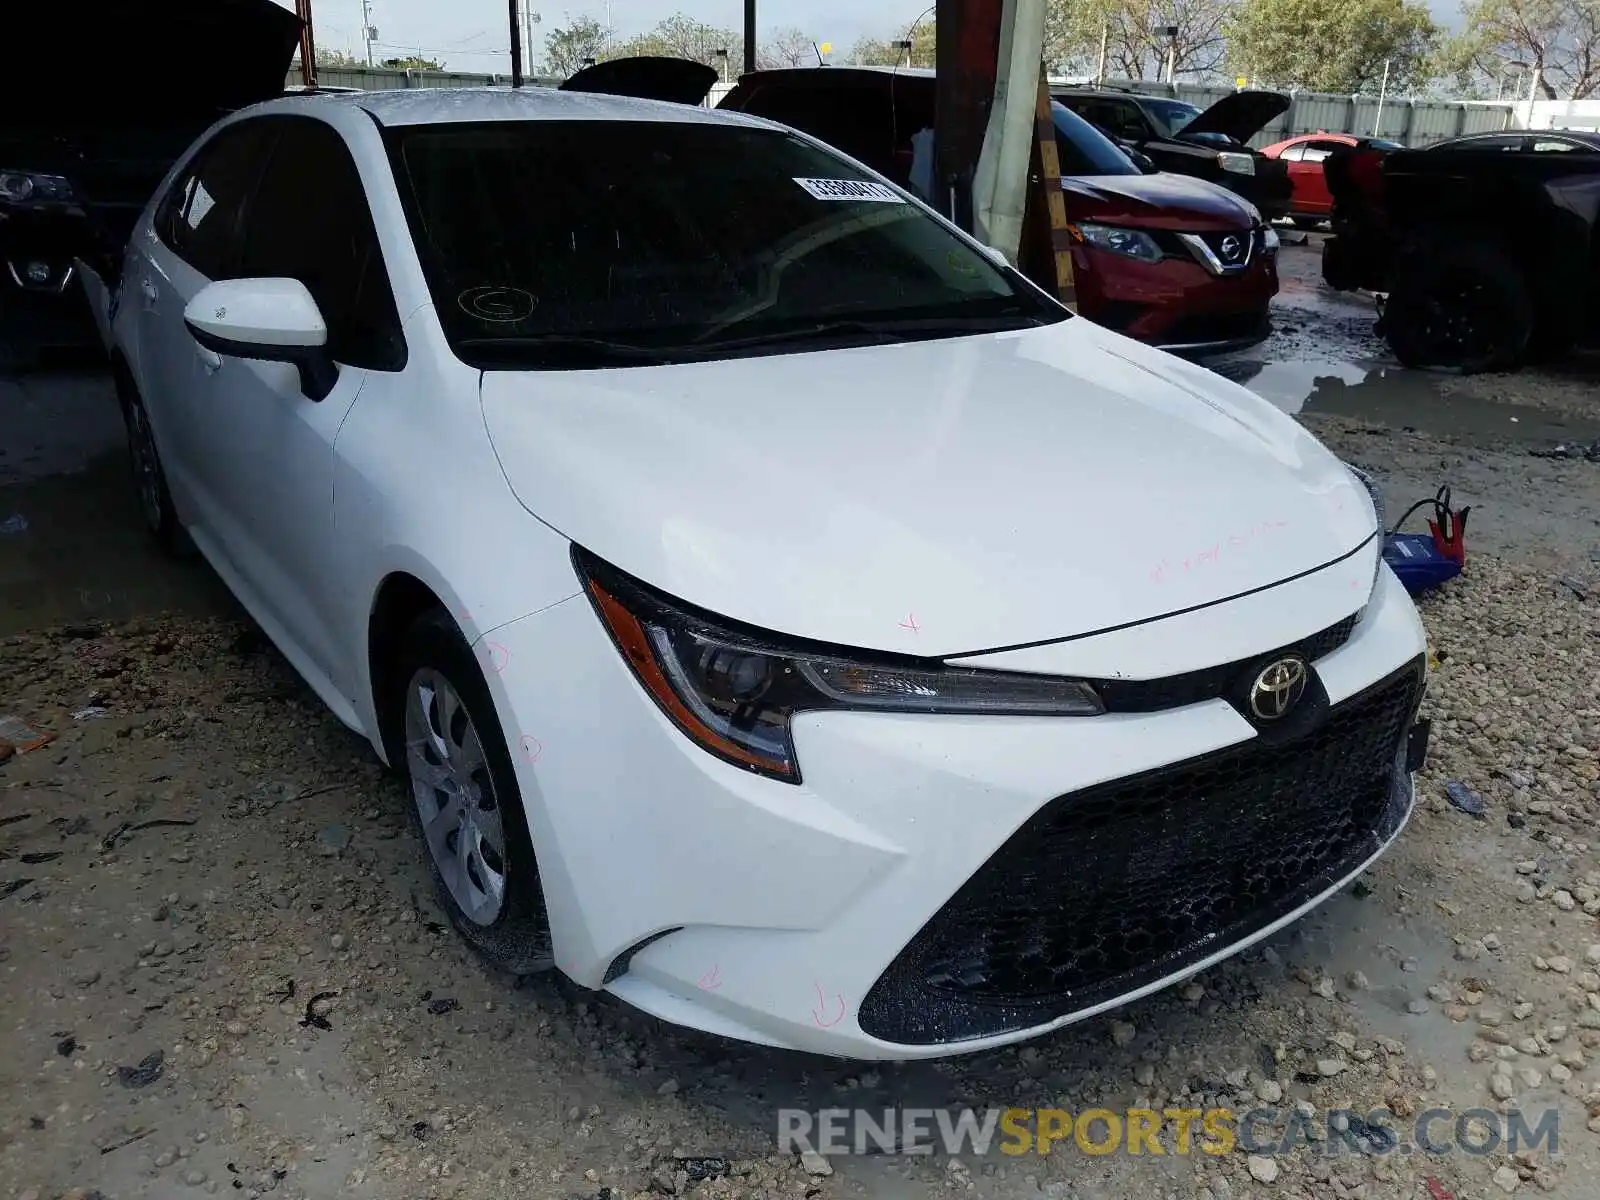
point(1240, 116)
point(1161, 201)
point(160, 59)
point(935, 497)
point(646, 77)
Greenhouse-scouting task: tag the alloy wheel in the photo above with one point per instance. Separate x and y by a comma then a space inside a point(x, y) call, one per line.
point(455, 797)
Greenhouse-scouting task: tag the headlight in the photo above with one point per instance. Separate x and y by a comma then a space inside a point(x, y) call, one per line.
point(1270, 242)
point(1239, 164)
point(733, 690)
point(1129, 242)
point(22, 187)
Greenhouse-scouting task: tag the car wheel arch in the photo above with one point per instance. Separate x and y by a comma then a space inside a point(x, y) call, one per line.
point(397, 602)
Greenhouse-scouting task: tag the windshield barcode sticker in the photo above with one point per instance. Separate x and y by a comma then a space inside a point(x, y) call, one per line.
point(851, 189)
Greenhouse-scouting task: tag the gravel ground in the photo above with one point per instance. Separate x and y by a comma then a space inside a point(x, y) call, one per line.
point(221, 969)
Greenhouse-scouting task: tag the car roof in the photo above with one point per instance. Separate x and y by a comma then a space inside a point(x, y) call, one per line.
point(445, 106)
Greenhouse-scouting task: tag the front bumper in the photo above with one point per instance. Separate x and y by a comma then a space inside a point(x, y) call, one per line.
point(1176, 304)
point(912, 898)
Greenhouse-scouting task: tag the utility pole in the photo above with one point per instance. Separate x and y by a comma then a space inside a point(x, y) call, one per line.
point(1383, 92)
point(308, 46)
point(749, 36)
point(1105, 44)
point(516, 45)
point(367, 32)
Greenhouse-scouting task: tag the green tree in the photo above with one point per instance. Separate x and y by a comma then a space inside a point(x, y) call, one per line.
point(1335, 45)
point(680, 36)
point(412, 62)
point(338, 58)
point(888, 52)
point(566, 47)
point(1503, 41)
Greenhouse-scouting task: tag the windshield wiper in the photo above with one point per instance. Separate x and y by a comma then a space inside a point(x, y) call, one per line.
point(887, 330)
point(563, 347)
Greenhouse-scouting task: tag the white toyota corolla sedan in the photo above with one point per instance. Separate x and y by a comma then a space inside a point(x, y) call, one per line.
point(788, 618)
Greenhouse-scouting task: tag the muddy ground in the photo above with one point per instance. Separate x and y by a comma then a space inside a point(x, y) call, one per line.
point(221, 970)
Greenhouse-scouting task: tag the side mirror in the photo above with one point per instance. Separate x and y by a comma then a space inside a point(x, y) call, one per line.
point(271, 320)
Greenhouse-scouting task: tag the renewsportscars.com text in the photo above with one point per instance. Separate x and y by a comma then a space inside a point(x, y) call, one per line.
point(1167, 1131)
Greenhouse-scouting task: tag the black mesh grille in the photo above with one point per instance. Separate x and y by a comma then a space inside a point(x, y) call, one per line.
point(1111, 888)
point(1210, 683)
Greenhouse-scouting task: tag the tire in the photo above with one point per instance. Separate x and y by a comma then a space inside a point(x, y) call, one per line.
point(1459, 307)
point(150, 478)
point(465, 806)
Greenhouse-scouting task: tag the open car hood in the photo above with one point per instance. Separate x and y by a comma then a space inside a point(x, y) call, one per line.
point(647, 77)
point(155, 59)
point(1240, 116)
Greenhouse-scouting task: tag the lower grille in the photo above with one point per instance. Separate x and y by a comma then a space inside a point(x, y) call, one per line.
point(1109, 889)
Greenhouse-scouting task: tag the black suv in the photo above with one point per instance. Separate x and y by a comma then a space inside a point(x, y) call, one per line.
point(1180, 138)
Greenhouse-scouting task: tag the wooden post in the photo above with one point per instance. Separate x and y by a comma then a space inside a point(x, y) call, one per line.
point(1049, 207)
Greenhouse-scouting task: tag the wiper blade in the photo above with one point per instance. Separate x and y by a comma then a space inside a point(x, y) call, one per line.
point(542, 347)
point(893, 329)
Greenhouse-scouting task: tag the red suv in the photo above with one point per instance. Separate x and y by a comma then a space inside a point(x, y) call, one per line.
point(1310, 201)
point(1172, 260)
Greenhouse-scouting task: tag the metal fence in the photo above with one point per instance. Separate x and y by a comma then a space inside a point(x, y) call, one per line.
point(1410, 122)
point(382, 79)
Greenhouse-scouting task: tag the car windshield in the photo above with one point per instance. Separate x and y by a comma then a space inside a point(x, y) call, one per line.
point(597, 243)
point(1170, 115)
point(1084, 150)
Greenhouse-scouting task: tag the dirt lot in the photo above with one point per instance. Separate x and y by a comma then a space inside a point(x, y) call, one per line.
point(221, 970)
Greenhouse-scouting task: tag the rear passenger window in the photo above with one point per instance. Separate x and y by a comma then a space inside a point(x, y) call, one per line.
point(199, 218)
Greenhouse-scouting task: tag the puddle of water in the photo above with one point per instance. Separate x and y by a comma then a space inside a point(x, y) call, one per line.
point(1398, 398)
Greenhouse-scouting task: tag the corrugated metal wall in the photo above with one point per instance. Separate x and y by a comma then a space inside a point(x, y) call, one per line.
point(1413, 122)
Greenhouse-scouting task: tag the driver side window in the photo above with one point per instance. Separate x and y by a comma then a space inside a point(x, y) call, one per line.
point(310, 220)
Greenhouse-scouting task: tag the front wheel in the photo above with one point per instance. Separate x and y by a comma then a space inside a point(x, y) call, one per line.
point(1459, 307)
point(466, 805)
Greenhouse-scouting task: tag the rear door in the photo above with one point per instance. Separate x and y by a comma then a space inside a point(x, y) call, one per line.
point(194, 240)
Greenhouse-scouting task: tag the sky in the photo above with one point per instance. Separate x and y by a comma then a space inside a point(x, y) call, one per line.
point(473, 35)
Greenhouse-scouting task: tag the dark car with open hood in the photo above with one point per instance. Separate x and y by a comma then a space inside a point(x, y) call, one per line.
point(1210, 144)
point(79, 160)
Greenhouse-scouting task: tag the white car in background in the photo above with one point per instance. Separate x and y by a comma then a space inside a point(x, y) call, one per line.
point(789, 619)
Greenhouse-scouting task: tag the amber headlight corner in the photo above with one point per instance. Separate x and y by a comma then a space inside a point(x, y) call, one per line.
point(733, 690)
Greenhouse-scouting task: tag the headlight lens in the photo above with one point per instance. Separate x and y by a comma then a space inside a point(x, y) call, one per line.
point(1270, 241)
point(733, 691)
point(22, 187)
point(1129, 242)
point(1239, 164)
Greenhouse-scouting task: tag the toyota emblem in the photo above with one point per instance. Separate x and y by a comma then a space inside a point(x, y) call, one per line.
point(1278, 688)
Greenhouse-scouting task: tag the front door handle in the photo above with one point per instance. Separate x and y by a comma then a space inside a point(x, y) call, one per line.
point(210, 359)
